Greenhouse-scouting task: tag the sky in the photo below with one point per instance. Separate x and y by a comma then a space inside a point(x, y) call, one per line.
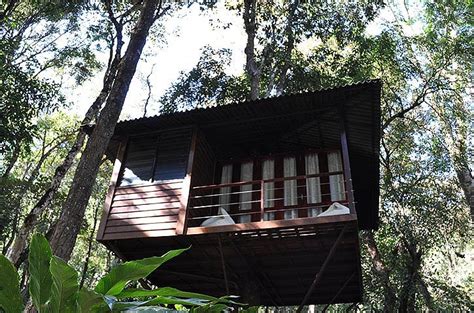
point(186, 32)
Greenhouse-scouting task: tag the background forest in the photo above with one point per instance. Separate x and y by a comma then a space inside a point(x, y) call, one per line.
point(66, 65)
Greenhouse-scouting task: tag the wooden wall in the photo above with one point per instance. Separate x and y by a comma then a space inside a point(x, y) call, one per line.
point(149, 209)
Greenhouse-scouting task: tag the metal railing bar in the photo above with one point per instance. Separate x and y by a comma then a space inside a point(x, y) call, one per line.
point(223, 204)
point(254, 182)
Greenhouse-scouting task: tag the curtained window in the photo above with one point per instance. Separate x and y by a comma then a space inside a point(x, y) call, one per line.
point(290, 187)
point(226, 178)
point(268, 172)
point(313, 184)
point(336, 182)
point(246, 174)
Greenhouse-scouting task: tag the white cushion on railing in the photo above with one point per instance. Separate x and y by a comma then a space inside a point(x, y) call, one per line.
point(223, 219)
point(335, 209)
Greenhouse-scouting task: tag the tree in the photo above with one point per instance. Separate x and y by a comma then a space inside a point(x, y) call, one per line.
point(68, 225)
point(413, 259)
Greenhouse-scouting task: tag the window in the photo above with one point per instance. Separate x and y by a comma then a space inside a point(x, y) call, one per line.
point(162, 157)
point(336, 182)
point(313, 184)
point(246, 174)
point(282, 198)
point(268, 172)
point(290, 196)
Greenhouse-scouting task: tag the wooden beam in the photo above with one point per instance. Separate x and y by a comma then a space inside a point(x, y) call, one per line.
point(319, 275)
point(181, 226)
point(272, 224)
point(112, 186)
point(347, 172)
point(345, 159)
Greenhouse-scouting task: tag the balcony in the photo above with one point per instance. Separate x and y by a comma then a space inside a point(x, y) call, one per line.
point(266, 204)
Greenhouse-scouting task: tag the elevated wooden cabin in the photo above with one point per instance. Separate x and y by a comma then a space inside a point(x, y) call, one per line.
point(252, 188)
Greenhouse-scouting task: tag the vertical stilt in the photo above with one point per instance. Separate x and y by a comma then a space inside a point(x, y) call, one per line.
point(223, 266)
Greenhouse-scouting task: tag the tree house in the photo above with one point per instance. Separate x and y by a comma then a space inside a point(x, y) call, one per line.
point(270, 194)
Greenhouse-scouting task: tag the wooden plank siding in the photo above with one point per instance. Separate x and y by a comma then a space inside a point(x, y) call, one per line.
point(148, 208)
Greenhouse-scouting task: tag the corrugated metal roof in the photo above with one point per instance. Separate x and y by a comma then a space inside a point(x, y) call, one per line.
point(277, 98)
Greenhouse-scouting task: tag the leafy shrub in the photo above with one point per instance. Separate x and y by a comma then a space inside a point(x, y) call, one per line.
point(54, 288)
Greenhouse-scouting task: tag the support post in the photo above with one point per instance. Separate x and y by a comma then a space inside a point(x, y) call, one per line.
point(181, 226)
point(223, 265)
point(347, 171)
point(262, 202)
point(319, 275)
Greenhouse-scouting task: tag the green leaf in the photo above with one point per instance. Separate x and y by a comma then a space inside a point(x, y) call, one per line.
point(164, 292)
point(10, 296)
point(114, 282)
point(90, 301)
point(40, 277)
point(172, 300)
point(214, 308)
point(65, 287)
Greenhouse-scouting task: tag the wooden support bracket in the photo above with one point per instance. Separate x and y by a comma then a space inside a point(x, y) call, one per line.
point(319, 275)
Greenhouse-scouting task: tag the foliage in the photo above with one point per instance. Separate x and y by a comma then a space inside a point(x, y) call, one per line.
point(205, 85)
point(425, 64)
point(54, 287)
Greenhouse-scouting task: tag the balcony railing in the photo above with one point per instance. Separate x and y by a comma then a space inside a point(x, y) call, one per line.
point(281, 198)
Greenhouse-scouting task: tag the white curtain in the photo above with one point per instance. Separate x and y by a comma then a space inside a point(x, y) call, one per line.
point(290, 187)
point(268, 172)
point(246, 174)
point(336, 182)
point(226, 178)
point(313, 184)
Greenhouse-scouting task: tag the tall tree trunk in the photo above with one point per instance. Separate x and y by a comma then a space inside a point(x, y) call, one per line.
point(289, 47)
point(19, 246)
point(408, 290)
point(70, 220)
point(89, 245)
point(380, 270)
point(253, 71)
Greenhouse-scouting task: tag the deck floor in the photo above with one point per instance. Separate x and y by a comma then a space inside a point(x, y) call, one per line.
point(266, 267)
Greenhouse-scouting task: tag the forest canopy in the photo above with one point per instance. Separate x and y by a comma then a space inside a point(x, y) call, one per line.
point(65, 66)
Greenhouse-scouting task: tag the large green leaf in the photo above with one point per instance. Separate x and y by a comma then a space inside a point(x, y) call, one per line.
point(211, 308)
point(40, 277)
point(164, 292)
point(10, 296)
point(65, 287)
point(90, 301)
point(114, 282)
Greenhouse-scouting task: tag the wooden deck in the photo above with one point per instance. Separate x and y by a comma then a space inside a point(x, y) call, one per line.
point(275, 261)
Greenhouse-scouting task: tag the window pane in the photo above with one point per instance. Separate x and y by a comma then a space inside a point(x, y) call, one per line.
point(336, 182)
point(172, 157)
point(138, 161)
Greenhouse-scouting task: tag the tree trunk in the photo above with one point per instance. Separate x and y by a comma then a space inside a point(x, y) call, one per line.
point(289, 46)
point(21, 241)
point(251, 67)
point(70, 220)
point(380, 270)
point(407, 293)
point(89, 246)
